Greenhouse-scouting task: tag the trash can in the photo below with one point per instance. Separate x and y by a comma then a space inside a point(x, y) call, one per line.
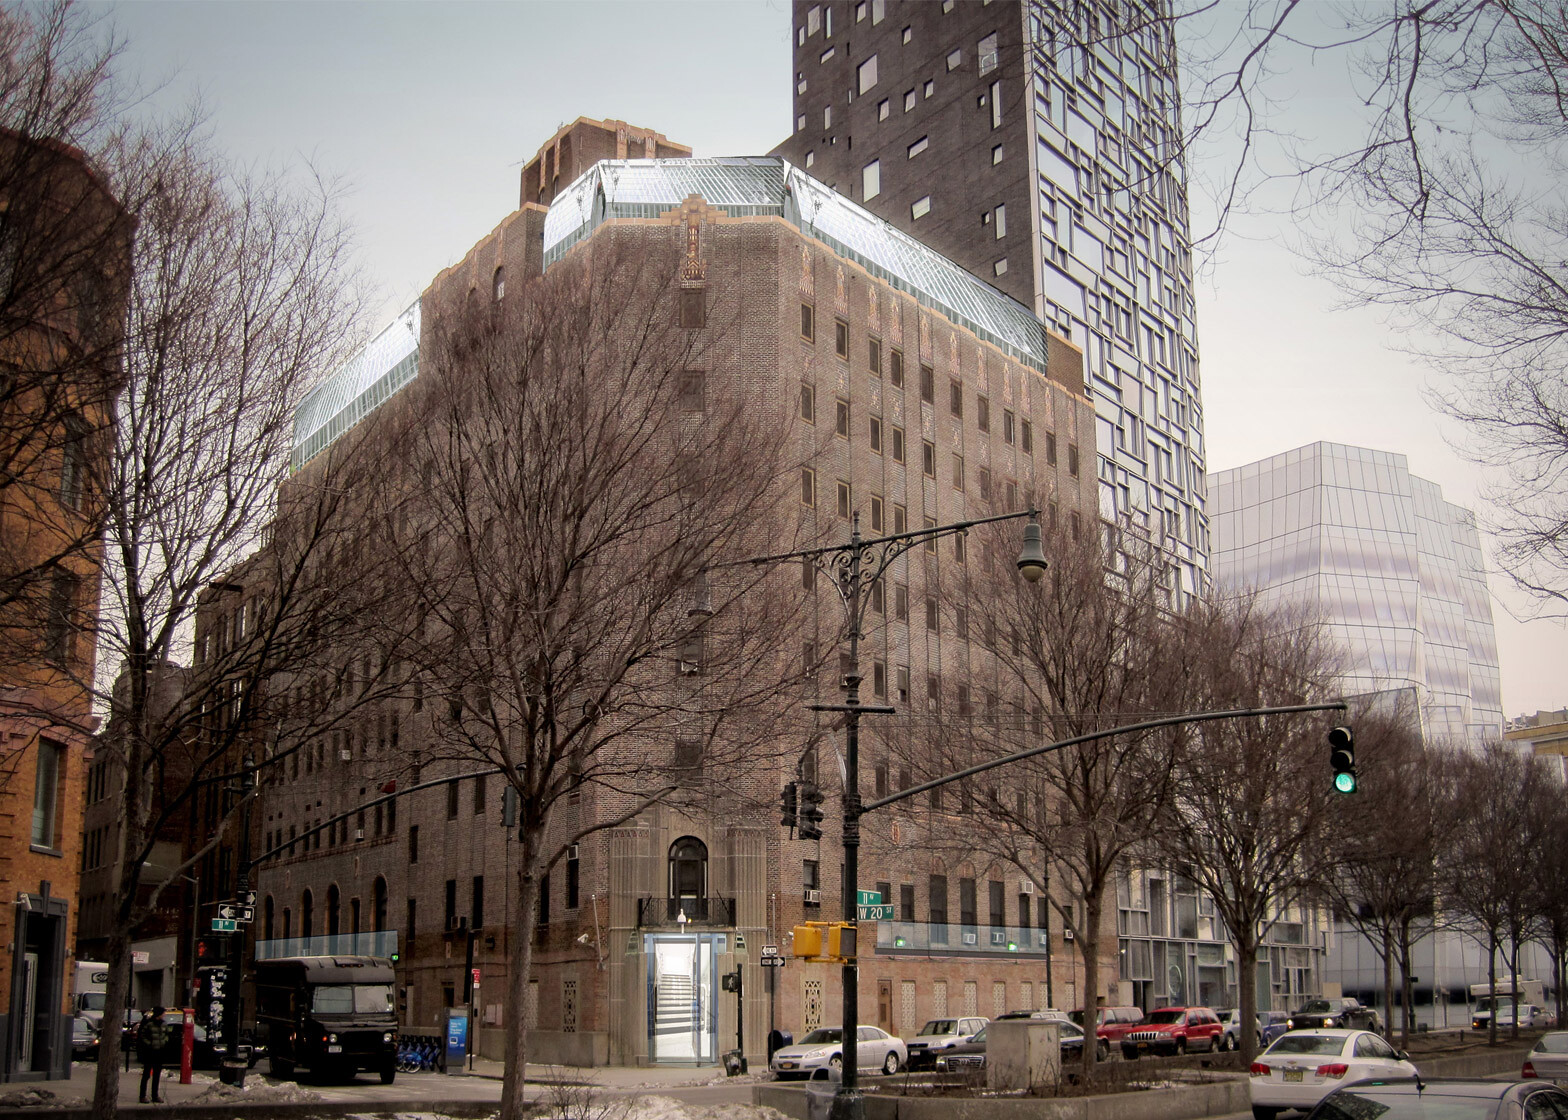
point(734, 1063)
point(820, 1093)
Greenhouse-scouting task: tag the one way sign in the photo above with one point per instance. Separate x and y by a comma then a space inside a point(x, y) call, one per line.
point(233, 911)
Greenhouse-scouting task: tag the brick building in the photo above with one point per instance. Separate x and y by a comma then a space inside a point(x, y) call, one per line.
point(915, 394)
point(65, 243)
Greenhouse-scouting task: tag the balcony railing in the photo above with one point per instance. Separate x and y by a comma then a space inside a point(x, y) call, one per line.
point(656, 912)
point(379, 943)
point(926, 938)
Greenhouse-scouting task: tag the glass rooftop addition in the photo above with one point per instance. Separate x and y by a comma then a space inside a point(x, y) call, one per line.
point(745, 186)
point(387, 363)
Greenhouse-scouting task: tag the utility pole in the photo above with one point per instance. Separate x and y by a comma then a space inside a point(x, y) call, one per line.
point(853, 568)
point(233, 1069)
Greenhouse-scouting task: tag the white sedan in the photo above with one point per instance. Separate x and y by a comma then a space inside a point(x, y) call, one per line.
point(1303, 1067)
point(822, 1050)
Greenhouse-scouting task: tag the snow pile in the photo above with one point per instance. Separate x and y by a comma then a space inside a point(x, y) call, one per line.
point(255, 1090)
point(38, 1098)
point(667, 1108)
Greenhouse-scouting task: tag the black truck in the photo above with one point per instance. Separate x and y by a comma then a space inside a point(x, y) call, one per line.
point(331, 1015)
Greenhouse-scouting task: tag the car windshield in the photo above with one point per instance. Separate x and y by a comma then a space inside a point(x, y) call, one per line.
point(822, 1036)
point(979, 1036)
point(1403, 1104)
point(1317, 1007)
point(940, 1026)
point(1169, 1015)
point(92, 1001)
point(1554, 1043)
point(1298, 1042)
point(352, 999)
point(1070, 1030)
point(1076, 1016)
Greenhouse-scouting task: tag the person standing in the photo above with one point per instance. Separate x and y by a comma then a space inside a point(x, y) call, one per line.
point(152, 1039)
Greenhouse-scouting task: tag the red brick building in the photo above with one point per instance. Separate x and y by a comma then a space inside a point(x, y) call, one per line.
point(65, 244)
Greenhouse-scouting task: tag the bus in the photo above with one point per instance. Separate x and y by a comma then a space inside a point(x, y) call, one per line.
point(333, 1016)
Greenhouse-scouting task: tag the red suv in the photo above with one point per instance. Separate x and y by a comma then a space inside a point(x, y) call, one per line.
point(1174, 1030)
point(1111, 1023)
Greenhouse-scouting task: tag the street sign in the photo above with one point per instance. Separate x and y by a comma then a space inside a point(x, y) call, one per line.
point(248, 898)
point(881, 913)
point(770, 950)
point(868, 898)
point(772, 962)
point(140, 956)
point(475, 971)
point(236, 912)
point(225, 925)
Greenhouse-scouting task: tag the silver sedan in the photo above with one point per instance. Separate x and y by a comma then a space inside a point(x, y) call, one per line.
point(822, 1050)
point(1548, 1059)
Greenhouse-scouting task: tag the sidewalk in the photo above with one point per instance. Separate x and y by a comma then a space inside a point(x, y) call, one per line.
point(477, 1090)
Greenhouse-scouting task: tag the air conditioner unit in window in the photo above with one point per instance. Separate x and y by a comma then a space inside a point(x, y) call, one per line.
point(346, 756)
point(1067, 935)
point(690, 668)
point(571, 851)
point(359, 834)
point(813, 897)
point(1026, 886)
point(969, 939)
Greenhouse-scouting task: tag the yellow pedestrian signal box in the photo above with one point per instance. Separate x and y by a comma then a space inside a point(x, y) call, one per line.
point(825, 941)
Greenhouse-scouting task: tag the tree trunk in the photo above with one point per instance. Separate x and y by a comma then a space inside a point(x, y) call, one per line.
point(524, 919)
point(106, 1083)
point(1407, 1013)
point(1559, 950)
point(1247, 990)
point(1491, 985)
point(1513, 969)
point(1089, 941)
point(1388, 979)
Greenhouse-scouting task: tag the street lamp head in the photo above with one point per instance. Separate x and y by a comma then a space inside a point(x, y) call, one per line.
point(1031, 560)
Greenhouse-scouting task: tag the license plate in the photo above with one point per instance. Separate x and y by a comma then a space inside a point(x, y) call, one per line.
point(334, 1049)
point(786, 1065)
point(1293, 1075)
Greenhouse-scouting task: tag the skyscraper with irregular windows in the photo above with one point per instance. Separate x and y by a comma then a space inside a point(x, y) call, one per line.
point(1394, 570)
point(1035, 143)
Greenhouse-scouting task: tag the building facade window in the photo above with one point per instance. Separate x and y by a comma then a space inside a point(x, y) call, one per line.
point(871, 180)
point(688, 869)
point(46, 793)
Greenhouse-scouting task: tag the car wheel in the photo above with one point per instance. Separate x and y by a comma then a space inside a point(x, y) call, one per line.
point(388, 1073)
point(890, 1063)
point(1223, 1044)
point(280, 1068)
point(1103, 1051)
point(836, 1062)
point(1181, 1047)
point(1261, 1113)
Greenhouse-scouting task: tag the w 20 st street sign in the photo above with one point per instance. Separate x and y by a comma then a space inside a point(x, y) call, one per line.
point(879, 913)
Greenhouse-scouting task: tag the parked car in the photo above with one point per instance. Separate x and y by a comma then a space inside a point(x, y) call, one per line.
point(1047, 1013)
point(970, 1054)
point(1269, 1026)
point(1530, 1017)
point(84, 1039)
point(823, 1049)
point(1548, 1058)
point(1333, 1014)
point(1111, 1023)
point(1304, 1066)
point(1173, 1030)
point(1450, 1098)
point(938, 1035)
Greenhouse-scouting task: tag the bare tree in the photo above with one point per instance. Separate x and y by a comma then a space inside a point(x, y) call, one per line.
point(1251, 802)
point(573, 484)
point(1384, 842)
point(238, 301)
point(1084, 650)
point(1550, 894)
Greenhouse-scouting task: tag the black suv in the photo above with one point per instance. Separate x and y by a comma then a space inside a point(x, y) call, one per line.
point(1341, 1014)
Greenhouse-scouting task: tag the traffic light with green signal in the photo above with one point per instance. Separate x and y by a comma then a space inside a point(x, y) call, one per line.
point(1342, 759)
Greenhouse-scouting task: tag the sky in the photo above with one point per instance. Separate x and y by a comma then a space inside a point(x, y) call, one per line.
point(425, 113)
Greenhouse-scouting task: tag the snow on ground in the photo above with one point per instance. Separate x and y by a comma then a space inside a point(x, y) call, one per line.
point(255, 1090)
point(38, 1098)
point(666, 1108)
